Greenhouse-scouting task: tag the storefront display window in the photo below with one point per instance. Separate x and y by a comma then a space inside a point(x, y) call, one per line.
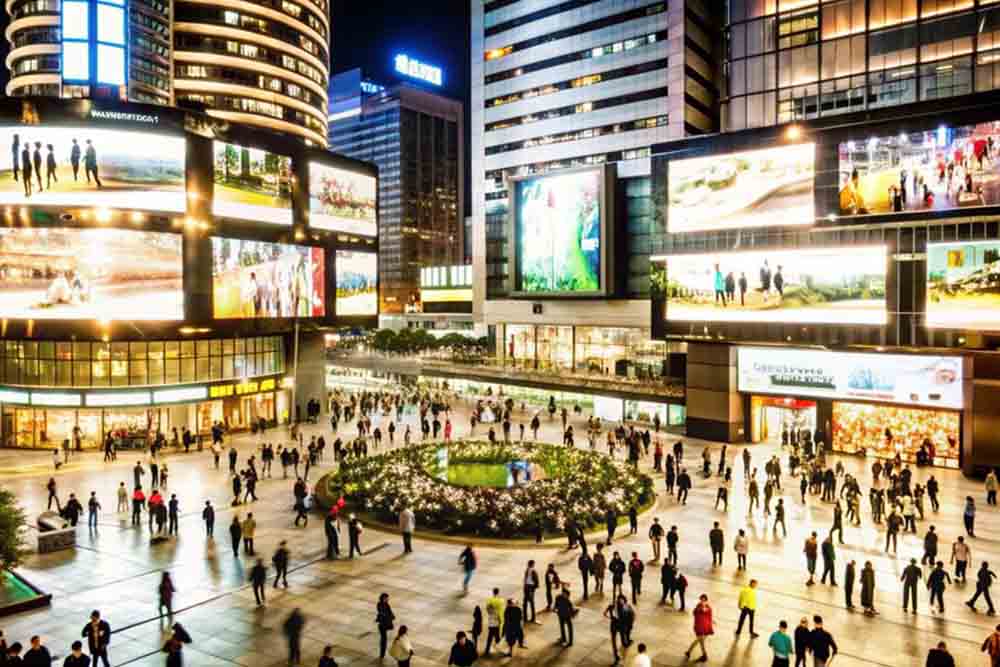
point(555, 347)
point(521, 345)
point(884, 431)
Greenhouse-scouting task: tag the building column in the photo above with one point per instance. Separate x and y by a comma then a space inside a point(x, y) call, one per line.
point(310, 380)
point(714, 406)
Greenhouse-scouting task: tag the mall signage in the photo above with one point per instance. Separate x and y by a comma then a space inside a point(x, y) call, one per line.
point(924, 381)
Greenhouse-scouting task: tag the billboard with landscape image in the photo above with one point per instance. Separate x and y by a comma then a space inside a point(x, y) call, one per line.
point(251, 184)
point(80, 166)
point(342, 200)
point(558, 232)
point(759, 188)
point(806, 285)
point(963, 285)
point(357, 283)
point(257, 279)
point(944, 168)
point(75, 274)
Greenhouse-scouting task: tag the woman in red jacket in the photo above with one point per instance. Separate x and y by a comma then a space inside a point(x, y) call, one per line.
point(703, 627)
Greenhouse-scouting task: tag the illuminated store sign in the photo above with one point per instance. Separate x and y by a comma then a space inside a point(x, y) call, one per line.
point(925, 381)
point(11, 396)
point(178, 395)
point(241, 389)
point(118, 399)
point(414, 68)
point(109, 399)
point(58, 400)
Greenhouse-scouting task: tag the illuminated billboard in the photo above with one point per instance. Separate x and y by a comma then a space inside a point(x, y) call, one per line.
point(927, 381)
point(74, 274)
point(805, 285)
point(941, 169)
point(251, 184)
point(256, 279)
point(342, 201)
point(760, 188)
point(963, 285)
point(558, 232)
point(357, 283)
point(81, 166)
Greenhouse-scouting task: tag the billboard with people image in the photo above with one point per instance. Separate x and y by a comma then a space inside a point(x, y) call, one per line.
point(936, 170)
point(257, 279)
point(251, 184)
point(807, 285)
point(759, 188)
point(558, 232)
point(963, 285)
point(80, 166)
point(76, 274)
point(342, 200)
point(357, 283)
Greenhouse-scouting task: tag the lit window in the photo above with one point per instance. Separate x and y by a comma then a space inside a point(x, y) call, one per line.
point(249, 50)
point(110, 24)
point(76, 61)
point(75, 20)
point(231, 18)
point(110, 65)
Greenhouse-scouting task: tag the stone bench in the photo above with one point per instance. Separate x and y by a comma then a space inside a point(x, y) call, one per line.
point(54, 533)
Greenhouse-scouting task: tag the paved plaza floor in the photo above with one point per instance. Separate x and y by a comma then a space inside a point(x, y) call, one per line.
point(115, 569)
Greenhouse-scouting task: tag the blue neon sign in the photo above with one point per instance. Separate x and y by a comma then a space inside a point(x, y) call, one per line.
point(414, 68)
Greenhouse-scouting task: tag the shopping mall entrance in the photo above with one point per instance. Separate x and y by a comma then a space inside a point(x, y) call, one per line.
point(781, 420)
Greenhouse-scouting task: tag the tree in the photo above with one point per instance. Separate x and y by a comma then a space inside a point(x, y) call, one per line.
point(12, 522)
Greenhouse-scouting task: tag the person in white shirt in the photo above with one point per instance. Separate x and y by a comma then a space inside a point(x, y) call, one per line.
point(641, 658)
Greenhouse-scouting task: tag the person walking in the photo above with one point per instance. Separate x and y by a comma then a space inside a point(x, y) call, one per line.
point(586, 566)
point(384, 622)
point(984, 580)
point(258, 578)
point(402, 648)
point(911, 575)
point(717, 541)
point(811, 550)
point(672, 539)
point(741, 546)
point(821, 643)
point(937, 581)
point(801, 637)
point(930, 547)
point(332, 533)
point(748, 606)
point(407, 524)
point(166, 595)
point(969, 516)
point(868, 589)
point(656, 538)
point(280, 562)
point(513, 627)
point(599, 570)
point(531, 583)
point(208, 516)
point(960, 556)
point(617, 569)
point(463, 653)
point(354, 530)
point(98, 635)
point(249, 532)
point(236, 534)
point(704, 627)
point(635, 571)
point(991, 485)
point(565, 611)
point(683, 486)
point(173, 507)
point(991, 647)
point(467, 559)
point(293, 634)
point(781, 645)
point(494, 620)
point(849, 575)
point(779, 517)
point(829, 559)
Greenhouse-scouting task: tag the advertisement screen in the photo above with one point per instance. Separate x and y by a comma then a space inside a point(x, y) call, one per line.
point(251, 184)
point(806, 285)
point(357, 283)
point(559, 232)
point(77, 274)
point(941, 169)
point(342, 201)
point(771, 186)
point(889, 378)
point(80, 166)
point(252, 279)
point(963, 285)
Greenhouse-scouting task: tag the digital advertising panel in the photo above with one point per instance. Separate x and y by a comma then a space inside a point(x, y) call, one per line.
point(82, 166)
point(357, 283)
point(963, 285)
point(759, 188)
point(256, 279)
point(342, 200)
point(77, 274)
point(558, 232)
point(251, 184)
point(937, 170)
point(926, 381)
point(802, 286)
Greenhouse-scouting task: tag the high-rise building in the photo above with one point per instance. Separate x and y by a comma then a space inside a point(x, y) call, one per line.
point(263, 64)
point(559, 85)
point(415, 138)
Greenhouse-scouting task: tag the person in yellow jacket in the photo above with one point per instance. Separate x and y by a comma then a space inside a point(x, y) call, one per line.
point(494, 619)
point(748, 606)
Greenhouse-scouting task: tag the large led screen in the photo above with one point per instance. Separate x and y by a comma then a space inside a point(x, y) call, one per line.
point(963, 285)
point(342, 201)
point(937, 170)
point(891, 378)
point(357, 283)
point(251, 184)
point(771, 186)
point(807, 285)
point(74, 274)
point(253, 279)
point(558, 233)
point(81, 166)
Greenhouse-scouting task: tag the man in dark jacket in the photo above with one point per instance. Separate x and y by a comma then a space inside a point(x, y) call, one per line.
point(258, 578)
point(849, 574)
point(565, 611)
point(635, 570)
point(717, 541)
point(911, 575)
point(829, 558)
point(332, 535)
point(293, 633)
point(280, 561)
point(586, 566)
point(208, 515)
point(936, 582)
point(463, 653)
point(98, 636)
point(939, 657)
point(72, 510)
point(236, 534)
point(668, 575)
point(37, 655)
point(683, 486)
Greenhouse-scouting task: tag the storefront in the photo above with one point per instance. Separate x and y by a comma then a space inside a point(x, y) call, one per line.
point(869, 404)
point(46, 419)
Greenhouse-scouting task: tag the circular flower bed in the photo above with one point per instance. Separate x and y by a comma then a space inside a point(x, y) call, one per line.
point(567, 484)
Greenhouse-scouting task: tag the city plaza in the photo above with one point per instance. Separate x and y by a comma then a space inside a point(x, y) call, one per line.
point(116, 569)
